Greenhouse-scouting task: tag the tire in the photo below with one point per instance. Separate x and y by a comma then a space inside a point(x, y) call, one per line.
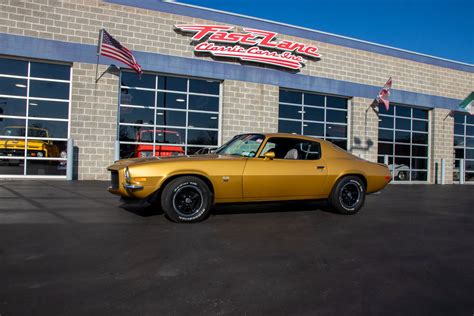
point(186, 199)
point(348, 195)
point(402, 175)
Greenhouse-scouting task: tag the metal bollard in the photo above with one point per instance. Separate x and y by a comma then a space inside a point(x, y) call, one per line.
point(461, 171)
point(70, 159)
point(116, 150)
point(443, 171)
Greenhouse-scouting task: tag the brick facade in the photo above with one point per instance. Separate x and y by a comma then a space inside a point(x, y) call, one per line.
point(246, 106)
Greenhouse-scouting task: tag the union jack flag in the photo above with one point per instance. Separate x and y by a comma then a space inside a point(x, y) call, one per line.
point(383, 95)
point(110, 47)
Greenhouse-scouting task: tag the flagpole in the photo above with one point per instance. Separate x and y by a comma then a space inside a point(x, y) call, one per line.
point(99, 48)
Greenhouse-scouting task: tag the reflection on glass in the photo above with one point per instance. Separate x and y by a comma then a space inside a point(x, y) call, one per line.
point(333, 130)
point(137, 97)
point(336, 116)
point(291, 127)
point(385, 149)
point(172, 83)
point(290, 96)
point(9, 106)
point(43, 148)
point(335, 102)
point(290, 111)
point(12, 147)
point(386, 121)
point(130, 79)
point(13, 67)
point(421, 126)
point(173, 118)
point(11, 166)
point(420, 151)
point(403, 111)
point(13, 86)
point(204, 86)
point(50, 71)
point(314, 99)
point(402, 137)
point(419, 138)
point(385, 135)
point(200, 137)
point(204, 120)
point(314, 114)
point(49, 89)
point(402, 124)
point(12, 126)
point(171, 100)
point(419, 175)
point(314, 129)
point(44, 128)
point(49, 109)
point(45, 168)
point(136, 115)
point(203, 103)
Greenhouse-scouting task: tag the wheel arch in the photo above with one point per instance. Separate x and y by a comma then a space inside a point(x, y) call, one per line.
point(360, 175)
point(157, 194)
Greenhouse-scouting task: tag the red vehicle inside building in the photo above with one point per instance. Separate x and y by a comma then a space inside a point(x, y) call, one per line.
point(161, 137)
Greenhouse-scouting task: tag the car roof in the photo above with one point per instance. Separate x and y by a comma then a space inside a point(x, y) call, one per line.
point(288, 135)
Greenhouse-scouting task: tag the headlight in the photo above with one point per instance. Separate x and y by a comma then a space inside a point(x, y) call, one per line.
point(63, 154)
point(39, 154)
point(127, 176)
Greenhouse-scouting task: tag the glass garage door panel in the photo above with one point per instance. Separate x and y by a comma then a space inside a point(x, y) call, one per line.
point(167, 115)
point(463, 142)
point(313, 114)
point(34, 117)
point(403, 139)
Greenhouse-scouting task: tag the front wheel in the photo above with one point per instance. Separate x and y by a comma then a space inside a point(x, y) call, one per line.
point(348, 195)
point(186, 199)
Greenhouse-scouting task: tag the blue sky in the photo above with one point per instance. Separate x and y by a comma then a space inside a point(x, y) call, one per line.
point(439, 28)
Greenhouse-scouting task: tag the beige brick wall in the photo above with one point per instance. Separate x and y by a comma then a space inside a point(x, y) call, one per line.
point(93, 120)
point(248, 107)
point(442, 131)
point(363, 129)
point(152, 31)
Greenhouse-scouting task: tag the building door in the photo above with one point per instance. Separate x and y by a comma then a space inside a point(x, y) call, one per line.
point(34, 118)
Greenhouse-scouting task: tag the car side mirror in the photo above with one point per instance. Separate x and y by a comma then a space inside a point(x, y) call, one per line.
point(269, 155)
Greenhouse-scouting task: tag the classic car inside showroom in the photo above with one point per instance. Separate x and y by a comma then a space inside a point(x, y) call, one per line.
point(207, 76)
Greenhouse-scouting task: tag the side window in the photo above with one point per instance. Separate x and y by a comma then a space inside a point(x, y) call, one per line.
point(292, 149)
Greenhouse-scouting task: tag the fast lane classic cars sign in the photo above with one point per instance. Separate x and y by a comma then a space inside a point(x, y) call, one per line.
point(251, 45)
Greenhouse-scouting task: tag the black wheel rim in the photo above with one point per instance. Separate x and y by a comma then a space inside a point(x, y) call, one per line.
point(187, 201)
point(350, 195)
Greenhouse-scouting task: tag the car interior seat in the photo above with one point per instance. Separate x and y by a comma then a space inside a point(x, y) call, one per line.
point(292, 154)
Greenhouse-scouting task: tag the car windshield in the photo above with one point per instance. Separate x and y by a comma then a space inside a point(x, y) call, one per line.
point(161, 137)
point(242, 145)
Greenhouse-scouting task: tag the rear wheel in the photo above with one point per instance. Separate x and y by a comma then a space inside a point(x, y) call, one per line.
point(348, 195)
point(186, 199)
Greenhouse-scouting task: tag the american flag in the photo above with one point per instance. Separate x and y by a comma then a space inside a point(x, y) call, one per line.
point(383, 95)
point(112, 48)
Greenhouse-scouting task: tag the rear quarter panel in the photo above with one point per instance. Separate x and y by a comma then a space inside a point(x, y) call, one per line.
point(341, 163)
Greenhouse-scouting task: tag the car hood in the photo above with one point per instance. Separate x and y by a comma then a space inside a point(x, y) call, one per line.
point(20, 143)
point(119, 164)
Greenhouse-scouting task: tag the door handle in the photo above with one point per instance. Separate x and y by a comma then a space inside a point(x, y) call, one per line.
point(320, 167)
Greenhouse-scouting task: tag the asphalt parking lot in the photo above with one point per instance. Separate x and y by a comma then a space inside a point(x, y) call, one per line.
point(67, 248)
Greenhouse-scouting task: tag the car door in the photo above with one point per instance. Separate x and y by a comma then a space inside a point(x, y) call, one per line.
point(285, 178)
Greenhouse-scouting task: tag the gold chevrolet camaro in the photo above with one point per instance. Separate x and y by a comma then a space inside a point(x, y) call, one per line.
point(250, 168)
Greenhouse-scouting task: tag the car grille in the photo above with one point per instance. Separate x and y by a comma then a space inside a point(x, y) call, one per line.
point(114, 179)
